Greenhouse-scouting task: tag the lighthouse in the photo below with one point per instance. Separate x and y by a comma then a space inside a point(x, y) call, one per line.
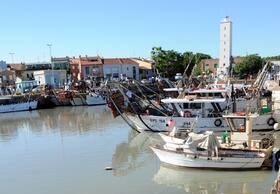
point(225, 47)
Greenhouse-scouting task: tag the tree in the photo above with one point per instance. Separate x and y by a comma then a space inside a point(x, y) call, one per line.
point(170, 62)
point(251, 64)
point(272, 58)
point(196, 70)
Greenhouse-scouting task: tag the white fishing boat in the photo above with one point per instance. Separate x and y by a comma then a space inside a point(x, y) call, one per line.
point(7, 104)
point(206, 151)
point(94, 99)
point(209, 112)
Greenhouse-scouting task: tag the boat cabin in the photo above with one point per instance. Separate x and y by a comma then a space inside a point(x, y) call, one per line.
point(241, 131)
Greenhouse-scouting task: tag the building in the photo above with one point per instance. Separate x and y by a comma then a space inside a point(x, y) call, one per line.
point(211, 65)
point(61, 63)
point(145, 67)
point(120, 68)
point(54, 78)
point(7, 78)
point(225, 46)
point(86, 68)
point(25, 71)
point(97, 68)
point(3, 65)
point(275, 73)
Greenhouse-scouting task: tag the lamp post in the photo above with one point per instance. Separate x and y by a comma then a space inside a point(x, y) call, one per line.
point(50, 50)
point(12, 56)
point(52, 76)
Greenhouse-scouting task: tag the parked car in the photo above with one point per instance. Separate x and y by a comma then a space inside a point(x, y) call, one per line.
point(178, 76)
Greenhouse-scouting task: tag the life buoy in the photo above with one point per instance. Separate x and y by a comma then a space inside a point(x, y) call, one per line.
point(187, 114)
point(218, 122)
point(271, 121)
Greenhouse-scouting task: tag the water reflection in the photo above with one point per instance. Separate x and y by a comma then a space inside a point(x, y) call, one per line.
point(132, 154)
point(64, 120)
point(195, 181)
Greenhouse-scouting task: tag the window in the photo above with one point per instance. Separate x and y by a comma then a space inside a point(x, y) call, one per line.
point(87, 70)
point(134, 72)
point(225, 28)
point(195, 106)
point(186, 106)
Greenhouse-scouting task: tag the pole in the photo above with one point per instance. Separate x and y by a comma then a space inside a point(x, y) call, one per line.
point(12, 56)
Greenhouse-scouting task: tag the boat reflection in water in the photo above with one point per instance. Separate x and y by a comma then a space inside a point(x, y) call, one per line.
point(133, 153)
point(197, 181)
point(62, 120)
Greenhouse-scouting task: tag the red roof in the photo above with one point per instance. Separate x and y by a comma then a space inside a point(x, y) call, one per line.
point(17, 67)
point(112, 61)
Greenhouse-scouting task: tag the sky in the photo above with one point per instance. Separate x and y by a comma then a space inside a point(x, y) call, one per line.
point(130, 28)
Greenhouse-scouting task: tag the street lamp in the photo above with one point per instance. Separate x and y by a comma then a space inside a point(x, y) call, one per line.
point(50, 49)
point(12, 56)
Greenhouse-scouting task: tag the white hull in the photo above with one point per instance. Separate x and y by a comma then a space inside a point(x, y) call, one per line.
point(185, 160)
point(23, 106)
point(172, 140)
point(160, 123)
point(95, 100)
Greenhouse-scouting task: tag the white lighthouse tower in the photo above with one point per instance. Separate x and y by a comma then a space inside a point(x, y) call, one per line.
point(225, 46)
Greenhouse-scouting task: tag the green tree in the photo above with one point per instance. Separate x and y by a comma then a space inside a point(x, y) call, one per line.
point(170, 62)
point(197, 70)
point(251, 64)
point(272, 58)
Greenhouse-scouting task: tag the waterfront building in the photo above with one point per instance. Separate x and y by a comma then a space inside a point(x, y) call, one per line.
point(145, 67)
point(3, 65)
point(212, 65)
point(54, 78)
point(86, 68)
point(61, 63)
point(97, 68)
point(7, 78)
point(225, 55)
point(120, 68)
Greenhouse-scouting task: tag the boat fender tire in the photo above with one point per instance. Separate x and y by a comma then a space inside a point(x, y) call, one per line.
point(271, 121)
point(218, 122)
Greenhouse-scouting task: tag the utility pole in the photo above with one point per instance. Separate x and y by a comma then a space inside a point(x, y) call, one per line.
point(12, 56)
point(50, 50)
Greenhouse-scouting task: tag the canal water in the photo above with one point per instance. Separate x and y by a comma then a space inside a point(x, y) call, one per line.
point(66, 150)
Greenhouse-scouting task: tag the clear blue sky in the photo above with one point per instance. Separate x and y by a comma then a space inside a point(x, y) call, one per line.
point(126, 28)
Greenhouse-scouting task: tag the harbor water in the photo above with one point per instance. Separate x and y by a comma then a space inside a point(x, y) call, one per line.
point(67, 149)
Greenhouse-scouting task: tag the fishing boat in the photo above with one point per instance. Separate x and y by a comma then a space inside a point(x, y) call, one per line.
point(237, 151)
point(208, 105)
point(15, 104)
point(94, 99)
point(78, 99)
